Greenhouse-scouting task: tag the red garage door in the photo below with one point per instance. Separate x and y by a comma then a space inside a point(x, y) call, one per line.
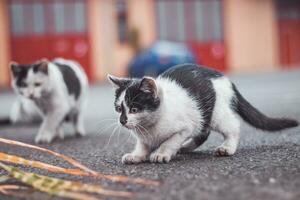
point(289, 32)
point(49, 29)
point(196, 23)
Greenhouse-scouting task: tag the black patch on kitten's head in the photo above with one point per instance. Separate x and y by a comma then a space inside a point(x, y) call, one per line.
point(148, 85)
point(139, 93)
point(120, 84)
point(19, 73)
point(142, 94)
point(40, 67)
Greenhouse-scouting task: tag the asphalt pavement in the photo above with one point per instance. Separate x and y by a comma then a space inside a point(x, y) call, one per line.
point(266, 165)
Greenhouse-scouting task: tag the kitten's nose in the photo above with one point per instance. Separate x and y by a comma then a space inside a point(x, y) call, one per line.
point(123, 120)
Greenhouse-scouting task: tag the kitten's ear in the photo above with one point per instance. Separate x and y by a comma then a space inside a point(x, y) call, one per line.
point(14, 67)
point(41, 66)
point(148, 85)
point(117, 82)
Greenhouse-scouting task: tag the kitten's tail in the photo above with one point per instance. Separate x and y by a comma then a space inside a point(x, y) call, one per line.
point(257, 119)
point(5, 121)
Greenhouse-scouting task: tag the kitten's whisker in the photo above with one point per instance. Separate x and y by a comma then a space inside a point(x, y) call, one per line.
point(143, 128)
point(118, 130)
point(142, 132)
point(111, 135)
point(138, 131)
point(103, 129)
point(118, 140)
point(152, 137)
point(104, 120)
point(130, 134)
point(98, 124)
point(147, 132)
point(106, 128)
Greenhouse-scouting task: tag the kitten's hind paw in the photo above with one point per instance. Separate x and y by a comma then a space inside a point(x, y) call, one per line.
point(80, 134)
point(224, 151)
point(80, 131)
point(186, 148)
point(160, 157)
point(132, 159)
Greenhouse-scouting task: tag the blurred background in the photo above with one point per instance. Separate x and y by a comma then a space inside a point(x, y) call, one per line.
point(256, 42)
point(136, 37)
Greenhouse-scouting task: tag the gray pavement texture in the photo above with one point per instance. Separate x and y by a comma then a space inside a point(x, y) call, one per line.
point(266, 165)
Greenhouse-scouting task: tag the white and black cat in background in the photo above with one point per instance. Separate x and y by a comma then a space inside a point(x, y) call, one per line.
point(176, 112)
point(53, 92)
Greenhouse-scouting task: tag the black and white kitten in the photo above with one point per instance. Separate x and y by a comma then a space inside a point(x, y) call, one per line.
point(177, 111)
point(54, 91)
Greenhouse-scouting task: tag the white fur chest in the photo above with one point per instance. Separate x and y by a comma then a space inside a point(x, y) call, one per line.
point(178, 112)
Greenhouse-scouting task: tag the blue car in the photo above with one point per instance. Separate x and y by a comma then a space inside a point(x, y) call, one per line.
point(160, 57)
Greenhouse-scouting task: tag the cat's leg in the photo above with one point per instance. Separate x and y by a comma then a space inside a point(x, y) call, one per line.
point(60, 132)
point(170, 147)
point(224, 119)
point(193, 143)
point(17, 113)
point(79, 124)
point(50, 125)
point(24, 112)
point(229, 127)
point(139, 154)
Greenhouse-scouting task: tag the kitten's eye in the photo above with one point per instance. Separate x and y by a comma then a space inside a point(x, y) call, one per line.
point(37, 84)
point(133, 110)
point(23, 84)
point(118, 109)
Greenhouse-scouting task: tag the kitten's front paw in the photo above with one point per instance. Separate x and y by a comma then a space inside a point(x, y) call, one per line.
point(44, 137)
point(132, 159)
point(160, 157)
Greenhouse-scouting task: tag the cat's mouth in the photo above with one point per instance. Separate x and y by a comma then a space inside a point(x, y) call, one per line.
point(129, 126)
